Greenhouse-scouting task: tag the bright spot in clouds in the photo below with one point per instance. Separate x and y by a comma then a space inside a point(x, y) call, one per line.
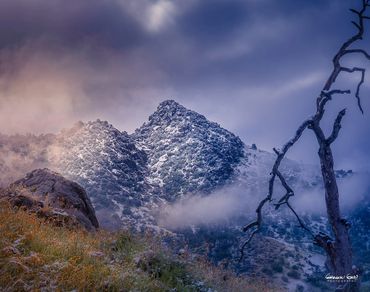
point(160, 14)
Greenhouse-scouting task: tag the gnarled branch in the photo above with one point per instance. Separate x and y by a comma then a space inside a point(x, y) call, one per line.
point(301, 224)
point(357, 94)
point(255, 226)
point(343, 50)
point(357, 51)
point(336, 127)
point(323, 98)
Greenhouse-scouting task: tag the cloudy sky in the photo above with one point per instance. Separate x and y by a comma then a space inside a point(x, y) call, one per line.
point(254, 66)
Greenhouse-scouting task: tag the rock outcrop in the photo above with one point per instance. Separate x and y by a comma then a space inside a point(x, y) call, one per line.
point(186, 152)
point(51, 196)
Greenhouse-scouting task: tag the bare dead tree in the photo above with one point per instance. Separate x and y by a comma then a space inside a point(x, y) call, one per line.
point(338, 249)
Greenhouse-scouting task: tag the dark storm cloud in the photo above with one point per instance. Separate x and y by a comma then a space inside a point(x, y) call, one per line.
point(254, 66)
point(210, 21)
point(69, 23)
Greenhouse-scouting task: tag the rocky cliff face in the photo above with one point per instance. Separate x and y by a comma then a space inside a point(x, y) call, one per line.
point(53, 197)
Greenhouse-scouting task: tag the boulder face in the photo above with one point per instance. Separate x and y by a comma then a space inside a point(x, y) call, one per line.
point(53, 197)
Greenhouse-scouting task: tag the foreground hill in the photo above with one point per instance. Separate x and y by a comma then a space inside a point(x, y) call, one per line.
point(36, 255)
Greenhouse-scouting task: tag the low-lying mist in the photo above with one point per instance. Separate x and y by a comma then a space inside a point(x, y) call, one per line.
point(21, 154)
point(229, 203)
point(198, 210)
point(352, 190)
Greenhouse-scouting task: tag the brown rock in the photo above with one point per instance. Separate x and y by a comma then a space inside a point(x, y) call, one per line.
point(51, 196)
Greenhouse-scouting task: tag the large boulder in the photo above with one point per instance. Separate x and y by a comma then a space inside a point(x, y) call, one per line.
point(51, 196)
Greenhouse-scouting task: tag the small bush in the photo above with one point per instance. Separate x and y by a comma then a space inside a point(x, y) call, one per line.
point(299, 288)
point(294, 274)
point(295, 267)
point(267, 271)
point(277, 267)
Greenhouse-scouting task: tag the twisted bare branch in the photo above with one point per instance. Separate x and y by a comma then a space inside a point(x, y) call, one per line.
point(336, 127)
point(301, 224)
point(255, 226)
point(357, 51)
point(343, 49)
point(323, 98)
point(289, 191)
point(357, 94)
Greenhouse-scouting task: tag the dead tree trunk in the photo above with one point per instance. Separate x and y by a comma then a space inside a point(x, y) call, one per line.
point(338, 249)
point(339, 252)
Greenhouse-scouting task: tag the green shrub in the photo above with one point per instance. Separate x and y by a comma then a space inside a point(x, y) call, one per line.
point(277, 267)
point(294, 274)
point(267, 271)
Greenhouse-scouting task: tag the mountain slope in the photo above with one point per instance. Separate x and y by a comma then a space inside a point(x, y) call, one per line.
point(107, 163)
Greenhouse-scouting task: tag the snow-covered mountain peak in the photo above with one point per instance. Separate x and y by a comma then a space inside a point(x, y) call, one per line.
point(96, 128)
point(170, 113)
point(187, 152)
point(169, 104)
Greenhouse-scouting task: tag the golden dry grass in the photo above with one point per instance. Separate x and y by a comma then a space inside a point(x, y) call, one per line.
point(226, 280)
point(35, 255)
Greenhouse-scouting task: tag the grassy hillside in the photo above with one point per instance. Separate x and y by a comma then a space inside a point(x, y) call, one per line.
point(36, 255)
